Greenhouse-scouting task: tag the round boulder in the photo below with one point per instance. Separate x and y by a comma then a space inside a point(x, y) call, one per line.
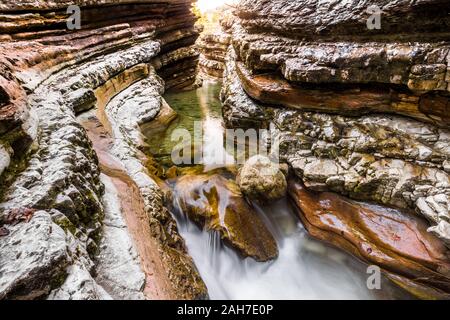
point(262, 180)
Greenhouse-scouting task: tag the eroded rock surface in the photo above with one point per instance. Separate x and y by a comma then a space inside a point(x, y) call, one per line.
point(362, 112)
point(118, 267)
point(213, 46)
point(170, 272)
point(262, 180)
point(216, 203)
point(50, 174)
point(397, 241)
point(33, 255)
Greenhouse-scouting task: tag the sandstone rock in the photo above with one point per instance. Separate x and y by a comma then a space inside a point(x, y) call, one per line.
point(177, 67)
point(118, 268)
point(392, 160)
point(79, 285)
point(170, 272)
point(162, 121)
point(352, 101)
point(397, 241)
point(237, 108)
point(18, 124)
point(376, 157)
point(216, 203)
point(262, 180)
point(5, 158)
point(333, 18)
point(316, 41)
point(320, 56)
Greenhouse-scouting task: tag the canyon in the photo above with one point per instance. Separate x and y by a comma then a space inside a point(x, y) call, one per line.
point(352, 105)
point(56, 170)
point(91, 206)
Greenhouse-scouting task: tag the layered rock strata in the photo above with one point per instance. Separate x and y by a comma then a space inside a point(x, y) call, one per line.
point(213, 47)
point(53, 206)
point(262, 180)
point(396, 241)
point(357, 111)
point(216, 203)
point(362, 112)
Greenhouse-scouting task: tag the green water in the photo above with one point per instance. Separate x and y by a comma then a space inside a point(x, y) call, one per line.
point(191, 106)
point(304, 269)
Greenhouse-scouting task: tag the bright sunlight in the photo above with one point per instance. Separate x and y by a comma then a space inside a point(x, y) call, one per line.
point(208, 5)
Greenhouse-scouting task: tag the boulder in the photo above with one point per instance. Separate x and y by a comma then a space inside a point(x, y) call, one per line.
point(262, 180)
point(216, 203)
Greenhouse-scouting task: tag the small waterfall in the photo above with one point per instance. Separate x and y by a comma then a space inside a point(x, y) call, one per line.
point(304, 269)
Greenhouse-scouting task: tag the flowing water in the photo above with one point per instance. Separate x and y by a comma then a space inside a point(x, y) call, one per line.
point(304, 269)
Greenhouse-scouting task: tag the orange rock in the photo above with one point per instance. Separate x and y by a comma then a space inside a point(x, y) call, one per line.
point(397, 241)
point(217, 204)
point(273, 89)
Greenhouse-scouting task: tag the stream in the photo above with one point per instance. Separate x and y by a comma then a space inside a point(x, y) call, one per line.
point(304, 269)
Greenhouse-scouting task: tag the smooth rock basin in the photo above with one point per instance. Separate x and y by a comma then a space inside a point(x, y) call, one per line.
point(396, 241)
point(304, 268)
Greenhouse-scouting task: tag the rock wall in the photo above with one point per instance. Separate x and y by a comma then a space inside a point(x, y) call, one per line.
point(52, 205)
point(213, 48)
point(358, 111)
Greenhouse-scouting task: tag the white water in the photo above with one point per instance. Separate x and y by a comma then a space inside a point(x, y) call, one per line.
point(304, 269)
point(214, 154)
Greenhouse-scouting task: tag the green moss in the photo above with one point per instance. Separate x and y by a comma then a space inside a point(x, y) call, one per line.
point(58, 279)
point(18, 164)
point(65, 224)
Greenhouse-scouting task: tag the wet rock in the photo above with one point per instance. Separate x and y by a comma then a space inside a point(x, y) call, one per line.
point(397, 241)
point(216, 203)
point(18, 124)
point(162, 121)
point(48, 75)
point(262, 180)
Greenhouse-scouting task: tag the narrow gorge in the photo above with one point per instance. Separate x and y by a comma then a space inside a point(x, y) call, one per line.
point(117, 180)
